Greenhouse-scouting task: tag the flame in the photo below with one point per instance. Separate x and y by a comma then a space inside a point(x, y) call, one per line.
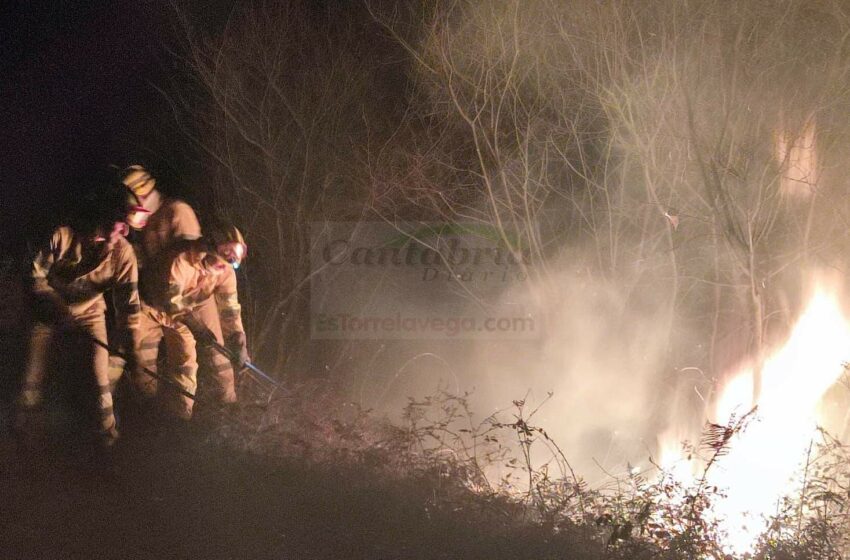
point(765, 460)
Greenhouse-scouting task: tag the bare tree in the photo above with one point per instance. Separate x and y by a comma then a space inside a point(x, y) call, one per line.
point(281, 109)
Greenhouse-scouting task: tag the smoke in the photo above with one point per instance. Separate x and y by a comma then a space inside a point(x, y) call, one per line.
point(602, 356)
point(595, 367)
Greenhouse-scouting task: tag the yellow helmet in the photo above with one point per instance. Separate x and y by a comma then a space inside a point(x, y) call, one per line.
point(140, 182)
point(229, 244)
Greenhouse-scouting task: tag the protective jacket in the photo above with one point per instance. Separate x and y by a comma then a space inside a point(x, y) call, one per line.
point(80, 278)
point(173, 221)
point(193, 281)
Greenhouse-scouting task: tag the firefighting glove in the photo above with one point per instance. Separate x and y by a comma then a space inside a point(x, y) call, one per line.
point(237, 343)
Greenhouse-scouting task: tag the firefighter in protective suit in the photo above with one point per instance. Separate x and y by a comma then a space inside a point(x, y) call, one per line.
point(198, 287)
point(164, 226)
point(69, 277)
point(221, 314)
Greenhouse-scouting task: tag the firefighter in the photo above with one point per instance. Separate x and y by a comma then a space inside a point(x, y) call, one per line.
point(69, 277)
point(221, 313)
point(163, 227)
point(198, 287)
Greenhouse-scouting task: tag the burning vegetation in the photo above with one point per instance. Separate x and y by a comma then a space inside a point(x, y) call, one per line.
point(505, 474)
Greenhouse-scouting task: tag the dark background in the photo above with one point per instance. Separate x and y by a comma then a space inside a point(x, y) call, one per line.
point(81, 89)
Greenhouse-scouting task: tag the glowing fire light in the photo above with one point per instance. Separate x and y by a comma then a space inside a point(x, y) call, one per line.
point(765, 459)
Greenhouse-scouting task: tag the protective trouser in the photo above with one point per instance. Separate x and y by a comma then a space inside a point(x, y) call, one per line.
point(219, 366)
point(92, 322)
point(181, 360)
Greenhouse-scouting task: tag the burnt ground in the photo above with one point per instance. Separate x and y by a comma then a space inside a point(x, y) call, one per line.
point(169, 495)
point(172, 492)
point(169, 492)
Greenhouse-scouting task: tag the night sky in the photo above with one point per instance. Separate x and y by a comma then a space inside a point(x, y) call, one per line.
point(76, 95)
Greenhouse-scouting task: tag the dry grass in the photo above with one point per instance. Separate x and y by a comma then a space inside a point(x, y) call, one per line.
point(503, 473)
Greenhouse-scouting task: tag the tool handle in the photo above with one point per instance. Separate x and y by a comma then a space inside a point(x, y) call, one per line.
point(171, 383)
